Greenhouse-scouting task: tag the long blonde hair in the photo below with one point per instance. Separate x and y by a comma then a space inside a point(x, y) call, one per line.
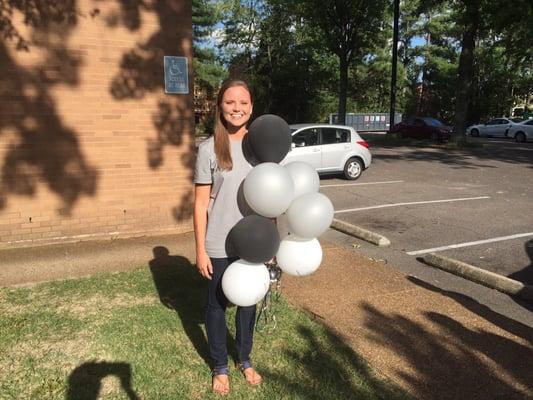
point(222, 146)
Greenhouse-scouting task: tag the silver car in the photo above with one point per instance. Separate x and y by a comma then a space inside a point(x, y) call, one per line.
point(330, 149)
point(522, 132)
point(497, 127)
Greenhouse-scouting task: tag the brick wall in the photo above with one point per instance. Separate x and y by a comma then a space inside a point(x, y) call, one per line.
point(90, 145)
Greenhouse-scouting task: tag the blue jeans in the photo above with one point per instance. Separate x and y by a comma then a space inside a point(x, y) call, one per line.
point(215, 319)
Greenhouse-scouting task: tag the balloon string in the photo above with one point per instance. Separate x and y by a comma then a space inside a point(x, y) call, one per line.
point(266, 318)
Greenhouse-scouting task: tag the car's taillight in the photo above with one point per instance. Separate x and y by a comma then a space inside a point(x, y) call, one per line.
point(363, 143)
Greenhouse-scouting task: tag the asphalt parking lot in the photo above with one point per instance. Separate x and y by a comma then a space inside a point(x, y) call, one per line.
point(473, 205)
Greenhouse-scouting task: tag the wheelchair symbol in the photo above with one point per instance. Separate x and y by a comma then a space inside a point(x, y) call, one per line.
point(175, 69)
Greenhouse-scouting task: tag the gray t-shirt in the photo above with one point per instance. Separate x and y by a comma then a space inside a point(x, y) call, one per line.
point(226, 205)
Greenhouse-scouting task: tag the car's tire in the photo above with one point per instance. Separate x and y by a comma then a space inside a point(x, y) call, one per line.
point(434, 137)
point(353, 169)
point(520, 137)
point(474, 132)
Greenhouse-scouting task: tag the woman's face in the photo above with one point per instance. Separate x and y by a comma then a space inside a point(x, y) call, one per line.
point(236, 106)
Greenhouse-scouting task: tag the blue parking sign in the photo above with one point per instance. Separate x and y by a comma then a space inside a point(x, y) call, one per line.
point(176, 75)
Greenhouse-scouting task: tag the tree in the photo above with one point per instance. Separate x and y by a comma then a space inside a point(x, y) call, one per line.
point(471, 26)
point(208, 70)
point(350, 29)
point(293, 76)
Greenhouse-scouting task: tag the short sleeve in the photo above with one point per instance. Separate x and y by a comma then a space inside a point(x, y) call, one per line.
point(202, 170)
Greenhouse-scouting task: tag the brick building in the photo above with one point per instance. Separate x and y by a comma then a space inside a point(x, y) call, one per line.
point(91, 147)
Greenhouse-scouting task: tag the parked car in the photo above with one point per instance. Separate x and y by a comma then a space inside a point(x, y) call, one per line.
point(330, 149)
point(522, 131)
point(497, 127)
point(423, 128)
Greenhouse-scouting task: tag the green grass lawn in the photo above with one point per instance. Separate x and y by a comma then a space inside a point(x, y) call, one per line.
point(140, 335)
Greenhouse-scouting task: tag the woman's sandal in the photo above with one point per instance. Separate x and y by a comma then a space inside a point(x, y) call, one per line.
point(219, 385)
point(252, 378)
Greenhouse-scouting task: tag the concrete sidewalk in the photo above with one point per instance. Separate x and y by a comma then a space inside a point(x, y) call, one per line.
point(433, 343)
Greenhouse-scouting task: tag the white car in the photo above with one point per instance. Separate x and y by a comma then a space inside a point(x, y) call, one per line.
point(330, 149)
point(521, 132)
point(497, 127)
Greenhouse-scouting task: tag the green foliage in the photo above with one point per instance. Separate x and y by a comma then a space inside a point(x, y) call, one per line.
point(302, 57)
point(352, 30)
point(140, 334)
point(209, 72)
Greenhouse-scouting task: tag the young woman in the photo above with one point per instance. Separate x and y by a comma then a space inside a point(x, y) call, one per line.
point(220, 169)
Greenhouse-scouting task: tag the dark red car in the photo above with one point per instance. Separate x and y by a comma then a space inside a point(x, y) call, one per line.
point(423, 128)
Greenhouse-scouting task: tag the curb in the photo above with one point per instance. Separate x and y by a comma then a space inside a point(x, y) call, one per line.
point(360, 233)
point(486, 278)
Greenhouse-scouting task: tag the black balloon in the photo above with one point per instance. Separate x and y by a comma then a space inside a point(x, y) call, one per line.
point(269, 138)
point(254, 239)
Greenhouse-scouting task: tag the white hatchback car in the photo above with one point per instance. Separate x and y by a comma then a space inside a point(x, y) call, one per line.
point(330, 149)
point(521, 132)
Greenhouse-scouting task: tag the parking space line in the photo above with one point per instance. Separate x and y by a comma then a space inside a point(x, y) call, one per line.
point(411, 203)
point(361, 184)
point(467, 244)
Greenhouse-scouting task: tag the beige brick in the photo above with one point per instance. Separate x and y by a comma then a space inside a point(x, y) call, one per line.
point(108, 135)
point(51, 234)
point(23, 231)
point(41, 230)
point(30, 225)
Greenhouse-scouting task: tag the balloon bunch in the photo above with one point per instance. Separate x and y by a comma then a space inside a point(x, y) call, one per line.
point(288, 193)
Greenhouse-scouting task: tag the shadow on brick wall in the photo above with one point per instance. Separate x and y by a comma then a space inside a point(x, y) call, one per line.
point(40, 148)
point(142, 73)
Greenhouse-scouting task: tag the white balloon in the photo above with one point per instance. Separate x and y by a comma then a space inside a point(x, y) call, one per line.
point(298, 256)
point(245, 283)
point(282, 224)
point(310, 215)
point(304, 177)
point(268, 189)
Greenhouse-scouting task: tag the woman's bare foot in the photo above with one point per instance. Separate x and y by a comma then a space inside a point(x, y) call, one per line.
point(252, 377)
point(221, 384)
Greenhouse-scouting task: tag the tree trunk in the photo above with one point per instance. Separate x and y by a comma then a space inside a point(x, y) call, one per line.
point(466, 66)
point(422, 108)
point(343, 84)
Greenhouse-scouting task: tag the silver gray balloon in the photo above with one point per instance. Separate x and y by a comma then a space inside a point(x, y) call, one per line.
point(268, 189)
point(304, 177)
point(310, 215)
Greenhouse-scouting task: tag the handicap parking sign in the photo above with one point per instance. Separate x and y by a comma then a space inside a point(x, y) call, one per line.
point(176, 75)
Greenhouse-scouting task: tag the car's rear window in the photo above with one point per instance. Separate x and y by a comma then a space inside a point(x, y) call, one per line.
point(433, 122)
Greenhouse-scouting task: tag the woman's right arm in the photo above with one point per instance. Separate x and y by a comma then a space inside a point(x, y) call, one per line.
point(201, 202)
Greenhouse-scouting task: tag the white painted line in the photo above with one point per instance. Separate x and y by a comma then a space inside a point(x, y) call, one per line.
point(459, 245)
point(361, 184)
point(412, 203)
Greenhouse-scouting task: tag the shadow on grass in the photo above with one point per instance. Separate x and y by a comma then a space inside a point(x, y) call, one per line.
point(330, 369)
point(445, 359)
point(84, 383)
point(182, 289)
